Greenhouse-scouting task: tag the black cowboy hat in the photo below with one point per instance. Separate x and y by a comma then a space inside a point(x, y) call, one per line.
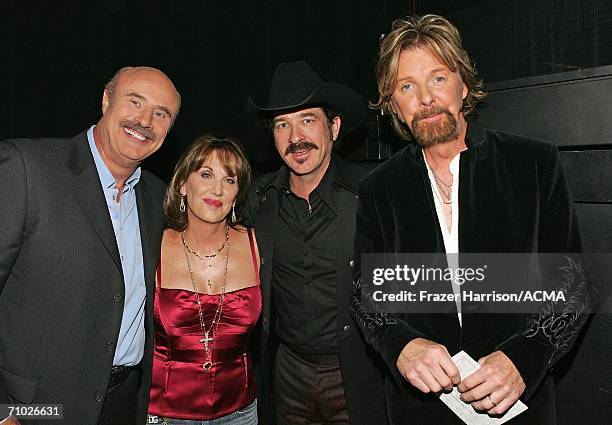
point(296, 86)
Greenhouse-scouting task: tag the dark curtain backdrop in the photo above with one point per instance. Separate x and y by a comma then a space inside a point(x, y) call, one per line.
point(59, 54)
point(510, 39)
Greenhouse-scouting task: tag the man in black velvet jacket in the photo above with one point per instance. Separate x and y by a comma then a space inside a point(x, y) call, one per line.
point(468, 190)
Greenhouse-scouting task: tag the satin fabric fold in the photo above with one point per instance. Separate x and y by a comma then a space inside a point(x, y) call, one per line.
point(181, 388)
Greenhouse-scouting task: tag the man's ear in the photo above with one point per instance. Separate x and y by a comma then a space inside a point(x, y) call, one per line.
point(336, 123)
point(105, 101)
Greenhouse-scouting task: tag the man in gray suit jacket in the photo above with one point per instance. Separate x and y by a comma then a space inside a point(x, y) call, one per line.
point(80, 242)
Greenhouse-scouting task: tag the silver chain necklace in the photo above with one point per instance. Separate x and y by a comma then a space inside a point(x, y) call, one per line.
point(207, 258)
point(208, 335)
point(446, 196)
point(203, 257)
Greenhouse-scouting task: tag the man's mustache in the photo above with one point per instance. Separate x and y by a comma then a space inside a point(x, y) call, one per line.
point(302, 145)
point(134, 125)
point(430, 112)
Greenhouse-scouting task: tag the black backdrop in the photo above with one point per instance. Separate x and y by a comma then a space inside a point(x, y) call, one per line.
point(58, 54)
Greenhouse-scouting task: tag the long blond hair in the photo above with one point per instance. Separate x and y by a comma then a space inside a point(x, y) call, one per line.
point(436, 35)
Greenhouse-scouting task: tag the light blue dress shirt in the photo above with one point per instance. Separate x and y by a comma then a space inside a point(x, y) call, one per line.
point(124, 215)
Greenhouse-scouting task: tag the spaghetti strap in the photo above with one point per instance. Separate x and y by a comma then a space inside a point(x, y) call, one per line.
point(253, 255)
point(158, 271)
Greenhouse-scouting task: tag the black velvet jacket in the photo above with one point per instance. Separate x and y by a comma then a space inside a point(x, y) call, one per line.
point(513, 198)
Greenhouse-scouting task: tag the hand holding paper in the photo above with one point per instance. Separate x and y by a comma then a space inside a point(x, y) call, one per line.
point(495, 387)
point(467, 367)
point(428, 366)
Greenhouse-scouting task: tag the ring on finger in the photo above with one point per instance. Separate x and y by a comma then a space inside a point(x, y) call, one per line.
point(491, 400)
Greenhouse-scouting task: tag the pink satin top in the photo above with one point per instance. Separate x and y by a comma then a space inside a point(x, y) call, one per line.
point(181, 388)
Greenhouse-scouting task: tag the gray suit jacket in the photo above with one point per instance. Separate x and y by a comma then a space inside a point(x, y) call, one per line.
point(61, 283)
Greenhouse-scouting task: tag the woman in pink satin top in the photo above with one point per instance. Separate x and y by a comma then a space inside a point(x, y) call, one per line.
point(207, 297)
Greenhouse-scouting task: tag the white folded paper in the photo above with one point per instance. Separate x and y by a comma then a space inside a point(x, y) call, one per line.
point(467, 365)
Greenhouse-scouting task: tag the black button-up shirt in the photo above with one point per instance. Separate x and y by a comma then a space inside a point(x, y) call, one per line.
point(304, 272)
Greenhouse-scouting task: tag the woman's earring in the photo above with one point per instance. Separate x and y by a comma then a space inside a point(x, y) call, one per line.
point(233, 213)
point(182, 206)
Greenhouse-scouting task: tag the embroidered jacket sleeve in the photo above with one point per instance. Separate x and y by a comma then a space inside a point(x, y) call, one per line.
point(550, 334)
point(385, 332)
point(546, 336)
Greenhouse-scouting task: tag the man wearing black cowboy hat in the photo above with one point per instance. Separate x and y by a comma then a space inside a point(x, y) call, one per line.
point(304, 213)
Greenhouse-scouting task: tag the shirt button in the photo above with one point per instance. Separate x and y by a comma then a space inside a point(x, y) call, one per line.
point(110, 346)
point(263, 260)
point(346, 328)
point(99, 396)
point(117, 297)
point(352, 264)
